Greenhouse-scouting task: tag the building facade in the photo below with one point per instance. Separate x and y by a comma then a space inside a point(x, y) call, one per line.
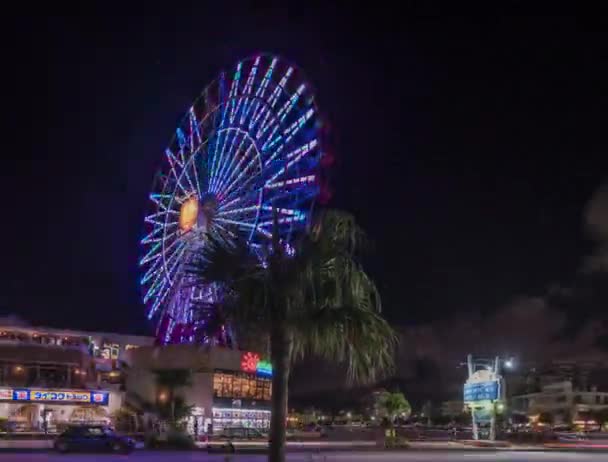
point(565, 403)
point(50, 378)
point(229, 388)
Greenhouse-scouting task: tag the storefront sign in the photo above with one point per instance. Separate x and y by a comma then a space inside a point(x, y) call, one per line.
point(250, 362)
point(6, 393)
point(60, 396)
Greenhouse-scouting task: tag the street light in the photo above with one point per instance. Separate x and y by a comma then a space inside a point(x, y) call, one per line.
point(509, 363)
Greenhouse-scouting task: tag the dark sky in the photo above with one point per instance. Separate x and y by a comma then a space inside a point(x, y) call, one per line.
point(467, 147)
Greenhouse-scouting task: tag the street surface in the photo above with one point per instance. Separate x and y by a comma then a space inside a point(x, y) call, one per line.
point(404, 456)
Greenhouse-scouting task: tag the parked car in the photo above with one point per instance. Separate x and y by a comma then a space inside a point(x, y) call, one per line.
point(92, 438)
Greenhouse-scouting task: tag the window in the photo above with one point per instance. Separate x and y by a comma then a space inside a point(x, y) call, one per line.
point(240, 385)
point(561, 399)
point(598, 399)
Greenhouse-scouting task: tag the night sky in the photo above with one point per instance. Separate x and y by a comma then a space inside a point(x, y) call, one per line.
point(467, 148)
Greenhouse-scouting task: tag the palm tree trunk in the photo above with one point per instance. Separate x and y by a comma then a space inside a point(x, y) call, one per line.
point(280, 351)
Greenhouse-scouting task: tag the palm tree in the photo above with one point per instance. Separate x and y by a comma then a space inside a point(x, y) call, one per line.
point(393, 405)
point(170, 405)
point(317, 300)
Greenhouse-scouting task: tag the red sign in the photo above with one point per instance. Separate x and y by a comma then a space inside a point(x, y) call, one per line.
point(249, 361)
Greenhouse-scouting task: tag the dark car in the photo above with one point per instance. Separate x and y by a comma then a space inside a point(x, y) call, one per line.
point(93, 438)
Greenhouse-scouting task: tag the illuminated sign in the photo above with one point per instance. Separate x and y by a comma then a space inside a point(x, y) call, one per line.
point(6, 393)
point(250, 362)
point(481, 391)
point(57, 396)
point(264, 368)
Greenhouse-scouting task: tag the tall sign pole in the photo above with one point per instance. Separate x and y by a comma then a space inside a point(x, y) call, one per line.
point(483, 391)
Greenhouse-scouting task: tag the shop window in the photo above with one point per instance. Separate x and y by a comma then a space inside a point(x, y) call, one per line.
point(240, 385)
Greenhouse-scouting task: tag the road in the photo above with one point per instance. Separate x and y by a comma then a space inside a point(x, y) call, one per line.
point(404, 456)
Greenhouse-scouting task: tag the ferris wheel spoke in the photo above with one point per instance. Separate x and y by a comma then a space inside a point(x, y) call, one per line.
point(215, 154)
point(158, 200)
point(181, 141)
point(232, 155)
point(151, 219)
point(295, 127)
point(274, 98)
point(161, 278)
point(223, 188)
point(302, 180)
point(284, 220)
point(243, 224)
point(233, 92)
point(220, 163)
point(152, 235)
point(291, 103)
point(235, 211)
point(196, 177)
point(282, 211)
point(223, 159)
point(157, 302)
point(150, 239)
point(194, 129)
point(214, 157)
point(173, 162)
point(185, 173)
point(166, 274)
point(294, 157)
point(248, 88)
point(270, 141)
point(236, 187)
point(152, 254)
point(260, 94)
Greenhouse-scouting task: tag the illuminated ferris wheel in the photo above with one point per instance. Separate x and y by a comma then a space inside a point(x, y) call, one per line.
point(249, 144)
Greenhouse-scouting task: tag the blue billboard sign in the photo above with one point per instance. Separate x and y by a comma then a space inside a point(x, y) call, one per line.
point(481, 391)
point(61, 396)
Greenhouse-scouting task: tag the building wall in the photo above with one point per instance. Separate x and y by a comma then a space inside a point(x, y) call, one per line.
point(561, 400)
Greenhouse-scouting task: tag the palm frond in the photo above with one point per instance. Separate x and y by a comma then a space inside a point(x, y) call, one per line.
point(357, 337)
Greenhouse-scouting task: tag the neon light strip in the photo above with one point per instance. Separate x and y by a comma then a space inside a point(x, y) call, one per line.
point(234, 90)
point(243, 172)
point(224, 171)
point(289, 105)
point(248, 88)
point(291, 181)
point(181, 140)
point(273, 100)
point(237, 169)
point(260, 94)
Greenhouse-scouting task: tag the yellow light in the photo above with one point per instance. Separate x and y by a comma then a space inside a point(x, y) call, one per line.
point(162, 397)
point(188, 214)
